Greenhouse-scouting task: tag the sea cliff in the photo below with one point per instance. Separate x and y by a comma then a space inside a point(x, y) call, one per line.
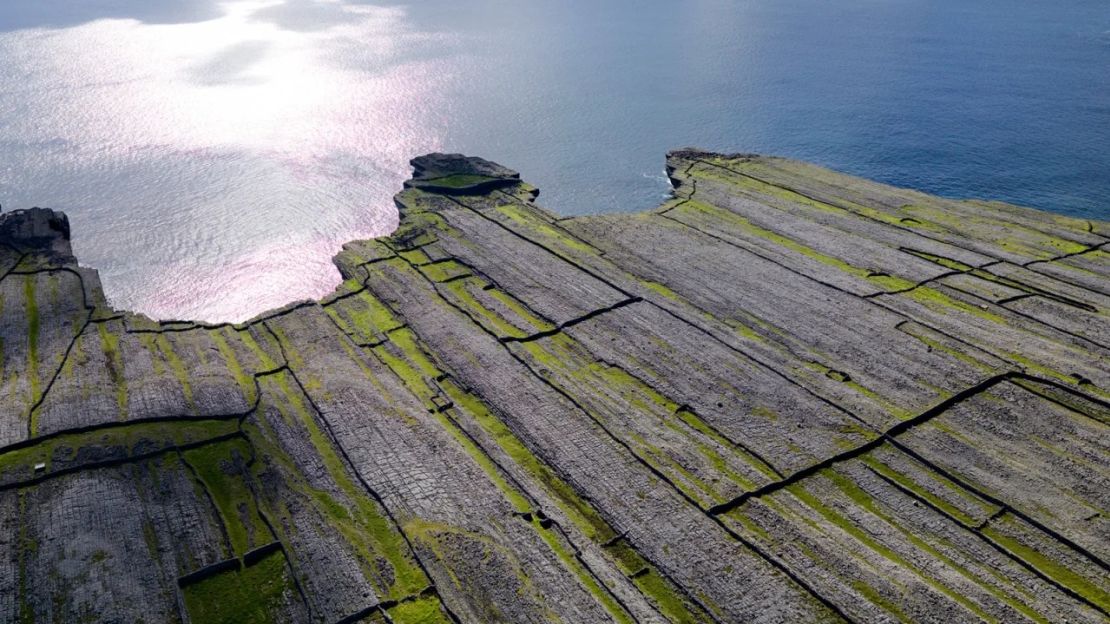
point(786, 395)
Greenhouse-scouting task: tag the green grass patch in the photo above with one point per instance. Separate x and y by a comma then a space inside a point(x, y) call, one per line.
point(458, 181)
point(142, 437)
point(231, 361)
point(255, 595)
point(661, 290)
point(549, 234)
point(424, 610)
point(444, 270)
point(223, 476)
point(415, 256)
point(1048, 566)
point(363, 316)
point(109, 343)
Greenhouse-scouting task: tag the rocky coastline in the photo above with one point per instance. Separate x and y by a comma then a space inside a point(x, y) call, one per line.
point(785, 395)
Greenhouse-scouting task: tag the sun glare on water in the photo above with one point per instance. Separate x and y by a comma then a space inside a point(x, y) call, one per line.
point(259, 128)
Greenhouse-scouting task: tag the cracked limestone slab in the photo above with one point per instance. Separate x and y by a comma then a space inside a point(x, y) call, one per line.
point(1033, 281)
point(994, 229)
point(723, 183)
point(105, 541)
point(41, 314)
point(768, 421)
point(1090, 270)
point(797, 236)
point(555, 289)
point(733, 581)
point(341, 543)
point(1031, 452)
point(453, 513)
point(1067, 307)
point(1026, 343)
point(818, 336)
point(882, 553)
point(112, 374)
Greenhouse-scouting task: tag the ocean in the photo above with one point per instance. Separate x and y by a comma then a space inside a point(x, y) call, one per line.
point(213, 155)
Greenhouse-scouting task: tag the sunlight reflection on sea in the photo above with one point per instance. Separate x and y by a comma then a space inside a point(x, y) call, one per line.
point(231, 156)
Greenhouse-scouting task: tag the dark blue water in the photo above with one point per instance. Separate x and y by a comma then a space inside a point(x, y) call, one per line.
point(1002, 99)
point(214, 155)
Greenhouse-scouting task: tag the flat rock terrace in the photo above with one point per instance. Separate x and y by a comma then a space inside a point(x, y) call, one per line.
point(786, 395)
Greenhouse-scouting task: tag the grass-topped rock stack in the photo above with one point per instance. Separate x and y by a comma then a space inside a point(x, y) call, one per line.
point(786, 395)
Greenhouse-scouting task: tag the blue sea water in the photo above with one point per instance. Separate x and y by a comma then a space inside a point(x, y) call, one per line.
point(213, 155)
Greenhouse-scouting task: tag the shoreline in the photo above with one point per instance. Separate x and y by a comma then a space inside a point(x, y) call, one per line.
point(786, 394)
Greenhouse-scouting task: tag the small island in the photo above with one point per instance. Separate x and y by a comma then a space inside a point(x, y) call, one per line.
point(785, 395)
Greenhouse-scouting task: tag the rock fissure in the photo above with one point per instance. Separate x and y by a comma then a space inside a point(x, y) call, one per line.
point(572, 322)
point(853, 453)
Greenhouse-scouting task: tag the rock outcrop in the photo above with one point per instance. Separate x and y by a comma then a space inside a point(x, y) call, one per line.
point(787, 395)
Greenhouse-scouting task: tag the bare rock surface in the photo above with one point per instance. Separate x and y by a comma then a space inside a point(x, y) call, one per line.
point(786, 395)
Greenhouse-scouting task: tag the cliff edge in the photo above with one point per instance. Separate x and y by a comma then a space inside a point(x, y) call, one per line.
point(786, 395)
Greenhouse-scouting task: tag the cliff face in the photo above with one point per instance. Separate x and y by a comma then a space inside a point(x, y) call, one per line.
point(788, 395)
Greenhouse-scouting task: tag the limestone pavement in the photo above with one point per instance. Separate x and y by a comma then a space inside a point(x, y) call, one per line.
point(786, 395)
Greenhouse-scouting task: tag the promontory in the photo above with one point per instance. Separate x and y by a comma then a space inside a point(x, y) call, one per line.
point(785, 395)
